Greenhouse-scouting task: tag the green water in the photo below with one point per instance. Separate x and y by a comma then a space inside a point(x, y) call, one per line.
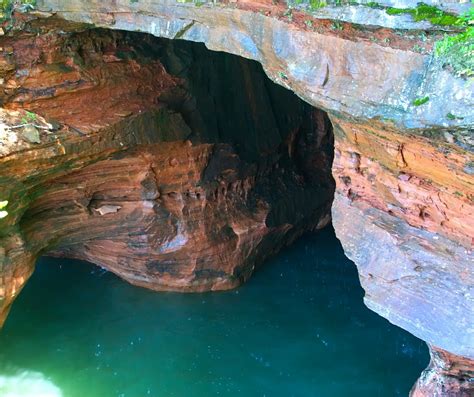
point(297, 328)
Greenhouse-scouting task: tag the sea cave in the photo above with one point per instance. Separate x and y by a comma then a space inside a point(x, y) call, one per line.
point(256, 198)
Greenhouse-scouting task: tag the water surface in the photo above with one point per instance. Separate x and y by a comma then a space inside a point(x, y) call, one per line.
point(297, 328)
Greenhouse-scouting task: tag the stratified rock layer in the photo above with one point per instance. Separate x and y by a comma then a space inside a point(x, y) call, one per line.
point(363, 71)
point(149, 164)
point(402, 211)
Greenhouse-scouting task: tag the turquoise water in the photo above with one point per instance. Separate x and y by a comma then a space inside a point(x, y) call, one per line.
point(297, 328)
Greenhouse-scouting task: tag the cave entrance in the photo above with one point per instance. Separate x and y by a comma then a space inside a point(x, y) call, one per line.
point(270, 146)
point(215, 169)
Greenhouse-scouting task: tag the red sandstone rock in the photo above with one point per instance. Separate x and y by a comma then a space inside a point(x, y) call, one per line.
point(447, 376)
point(407, 176)
point(411, 201)
point(126, 189)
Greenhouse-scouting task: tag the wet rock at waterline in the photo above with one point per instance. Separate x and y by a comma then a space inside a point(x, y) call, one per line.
point(447, 375)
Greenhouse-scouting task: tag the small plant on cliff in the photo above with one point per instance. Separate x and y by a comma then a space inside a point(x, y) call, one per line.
point(289, 14)
point(3, 205)
point(421, 101)
point(28, 118)
point(312, 5)
point(336, 25)
point(373, 4)
point(458, 51)
point(425, 12)
point(451, 116)
point(8, 6)
point(317, 4)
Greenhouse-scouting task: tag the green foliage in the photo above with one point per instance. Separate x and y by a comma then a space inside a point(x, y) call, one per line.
point(373, 4)
point(336, 25)
point(289, 14)
point(424, 12)
point(8, 4)
point(6, 7)
point(316, 4)
point(458, 50)
point(451, 116)
point(29, 118)
point(313, 4)
point(421, 101)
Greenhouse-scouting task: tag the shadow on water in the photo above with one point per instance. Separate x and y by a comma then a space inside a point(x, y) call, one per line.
point(297, 328)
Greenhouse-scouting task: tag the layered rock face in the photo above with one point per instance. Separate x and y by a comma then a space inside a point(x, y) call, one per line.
point(403, 211)
point(403, 206)
point(175, 168)
point(411, 200)
point(448, 375)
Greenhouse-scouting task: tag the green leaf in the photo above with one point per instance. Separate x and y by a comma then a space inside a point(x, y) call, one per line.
point(30, 116)
point(3, 204)
point(421, 101)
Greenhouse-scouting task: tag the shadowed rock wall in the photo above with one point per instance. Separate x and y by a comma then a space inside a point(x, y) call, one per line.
point(175, 168)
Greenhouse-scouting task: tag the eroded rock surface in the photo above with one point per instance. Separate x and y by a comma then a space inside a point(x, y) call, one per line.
point(341, 67)
point(173, 168)
point(402, 211)
point(447, 375)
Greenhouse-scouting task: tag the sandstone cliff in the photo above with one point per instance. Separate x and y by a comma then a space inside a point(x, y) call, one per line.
point(133, 166)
